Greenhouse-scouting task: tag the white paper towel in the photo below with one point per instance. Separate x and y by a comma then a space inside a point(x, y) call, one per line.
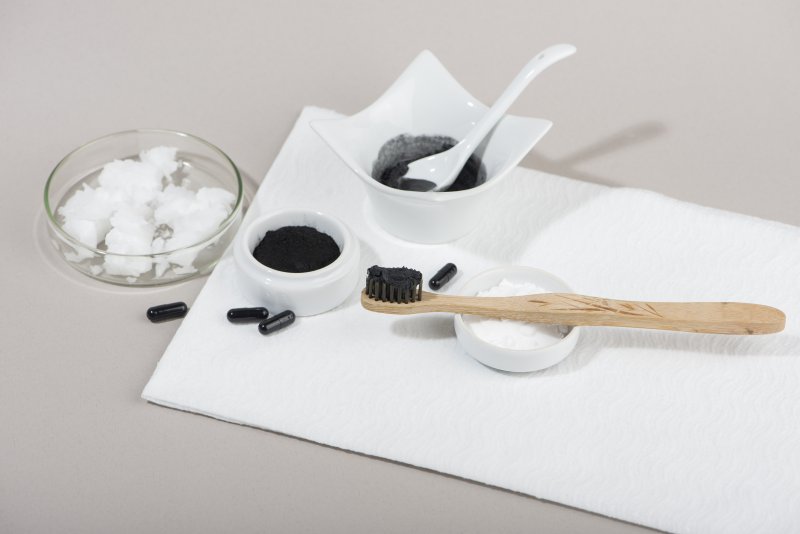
point(682, 432)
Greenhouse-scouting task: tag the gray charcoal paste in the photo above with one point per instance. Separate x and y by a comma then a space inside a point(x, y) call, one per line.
point(394, 156)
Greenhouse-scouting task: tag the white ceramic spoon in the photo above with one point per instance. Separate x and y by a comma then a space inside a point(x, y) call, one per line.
point(441, 169)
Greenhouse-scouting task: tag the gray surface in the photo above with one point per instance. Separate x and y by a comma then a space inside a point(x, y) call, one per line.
point(697, 100)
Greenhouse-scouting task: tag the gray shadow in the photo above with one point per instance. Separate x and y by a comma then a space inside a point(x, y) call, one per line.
point(517, 215)
point(718, 345)
point(723, 346)
point(619, 141)
point(424, 327)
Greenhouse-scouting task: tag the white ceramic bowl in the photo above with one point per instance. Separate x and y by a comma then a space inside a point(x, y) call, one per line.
point(514, 360)
point(426, 99)
point(304, 293)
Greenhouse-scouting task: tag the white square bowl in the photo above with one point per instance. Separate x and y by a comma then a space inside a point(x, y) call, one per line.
point(427, 100)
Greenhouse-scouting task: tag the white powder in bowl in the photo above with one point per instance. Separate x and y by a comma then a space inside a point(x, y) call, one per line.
point(513, 334)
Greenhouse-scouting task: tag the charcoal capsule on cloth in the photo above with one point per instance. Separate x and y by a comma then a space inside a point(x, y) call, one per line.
point(443, 276)
point(167, 312)
point(276, 322)
point(247, 315)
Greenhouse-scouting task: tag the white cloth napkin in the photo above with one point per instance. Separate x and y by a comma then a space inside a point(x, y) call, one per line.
point(681, 432)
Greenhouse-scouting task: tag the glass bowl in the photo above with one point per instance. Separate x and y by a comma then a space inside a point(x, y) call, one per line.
point(199, 162)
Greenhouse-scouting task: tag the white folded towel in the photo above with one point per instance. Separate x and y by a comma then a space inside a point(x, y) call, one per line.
point(681, 432)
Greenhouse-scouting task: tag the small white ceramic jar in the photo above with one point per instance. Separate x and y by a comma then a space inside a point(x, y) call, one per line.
point(514, 360)
point(304, 293)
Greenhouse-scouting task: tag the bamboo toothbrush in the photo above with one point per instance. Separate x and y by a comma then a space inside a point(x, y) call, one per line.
point(399, 291)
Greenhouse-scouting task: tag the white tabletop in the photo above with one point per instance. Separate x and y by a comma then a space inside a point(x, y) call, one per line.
point(696, 101)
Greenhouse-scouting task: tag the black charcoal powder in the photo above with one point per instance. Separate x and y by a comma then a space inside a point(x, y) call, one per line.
point(394, 156)
point(296, 249)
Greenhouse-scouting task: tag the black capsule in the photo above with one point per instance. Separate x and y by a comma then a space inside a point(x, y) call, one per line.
point(443, 275)
point(167, 312)
point(247, 315)
point(276, 322)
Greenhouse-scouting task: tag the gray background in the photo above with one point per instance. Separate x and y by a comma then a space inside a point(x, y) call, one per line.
point(698, 100)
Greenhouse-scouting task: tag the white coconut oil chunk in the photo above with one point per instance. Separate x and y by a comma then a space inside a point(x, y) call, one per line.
point(136, 209)
point(513, 334)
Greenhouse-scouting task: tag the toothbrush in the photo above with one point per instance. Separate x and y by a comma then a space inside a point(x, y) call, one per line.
point(399, 291)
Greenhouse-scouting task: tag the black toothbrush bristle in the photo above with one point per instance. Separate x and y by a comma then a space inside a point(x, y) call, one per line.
point(394, 284)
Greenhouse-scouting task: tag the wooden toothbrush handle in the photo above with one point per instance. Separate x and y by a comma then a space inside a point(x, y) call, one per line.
point(701, 317)
point(580, 310)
